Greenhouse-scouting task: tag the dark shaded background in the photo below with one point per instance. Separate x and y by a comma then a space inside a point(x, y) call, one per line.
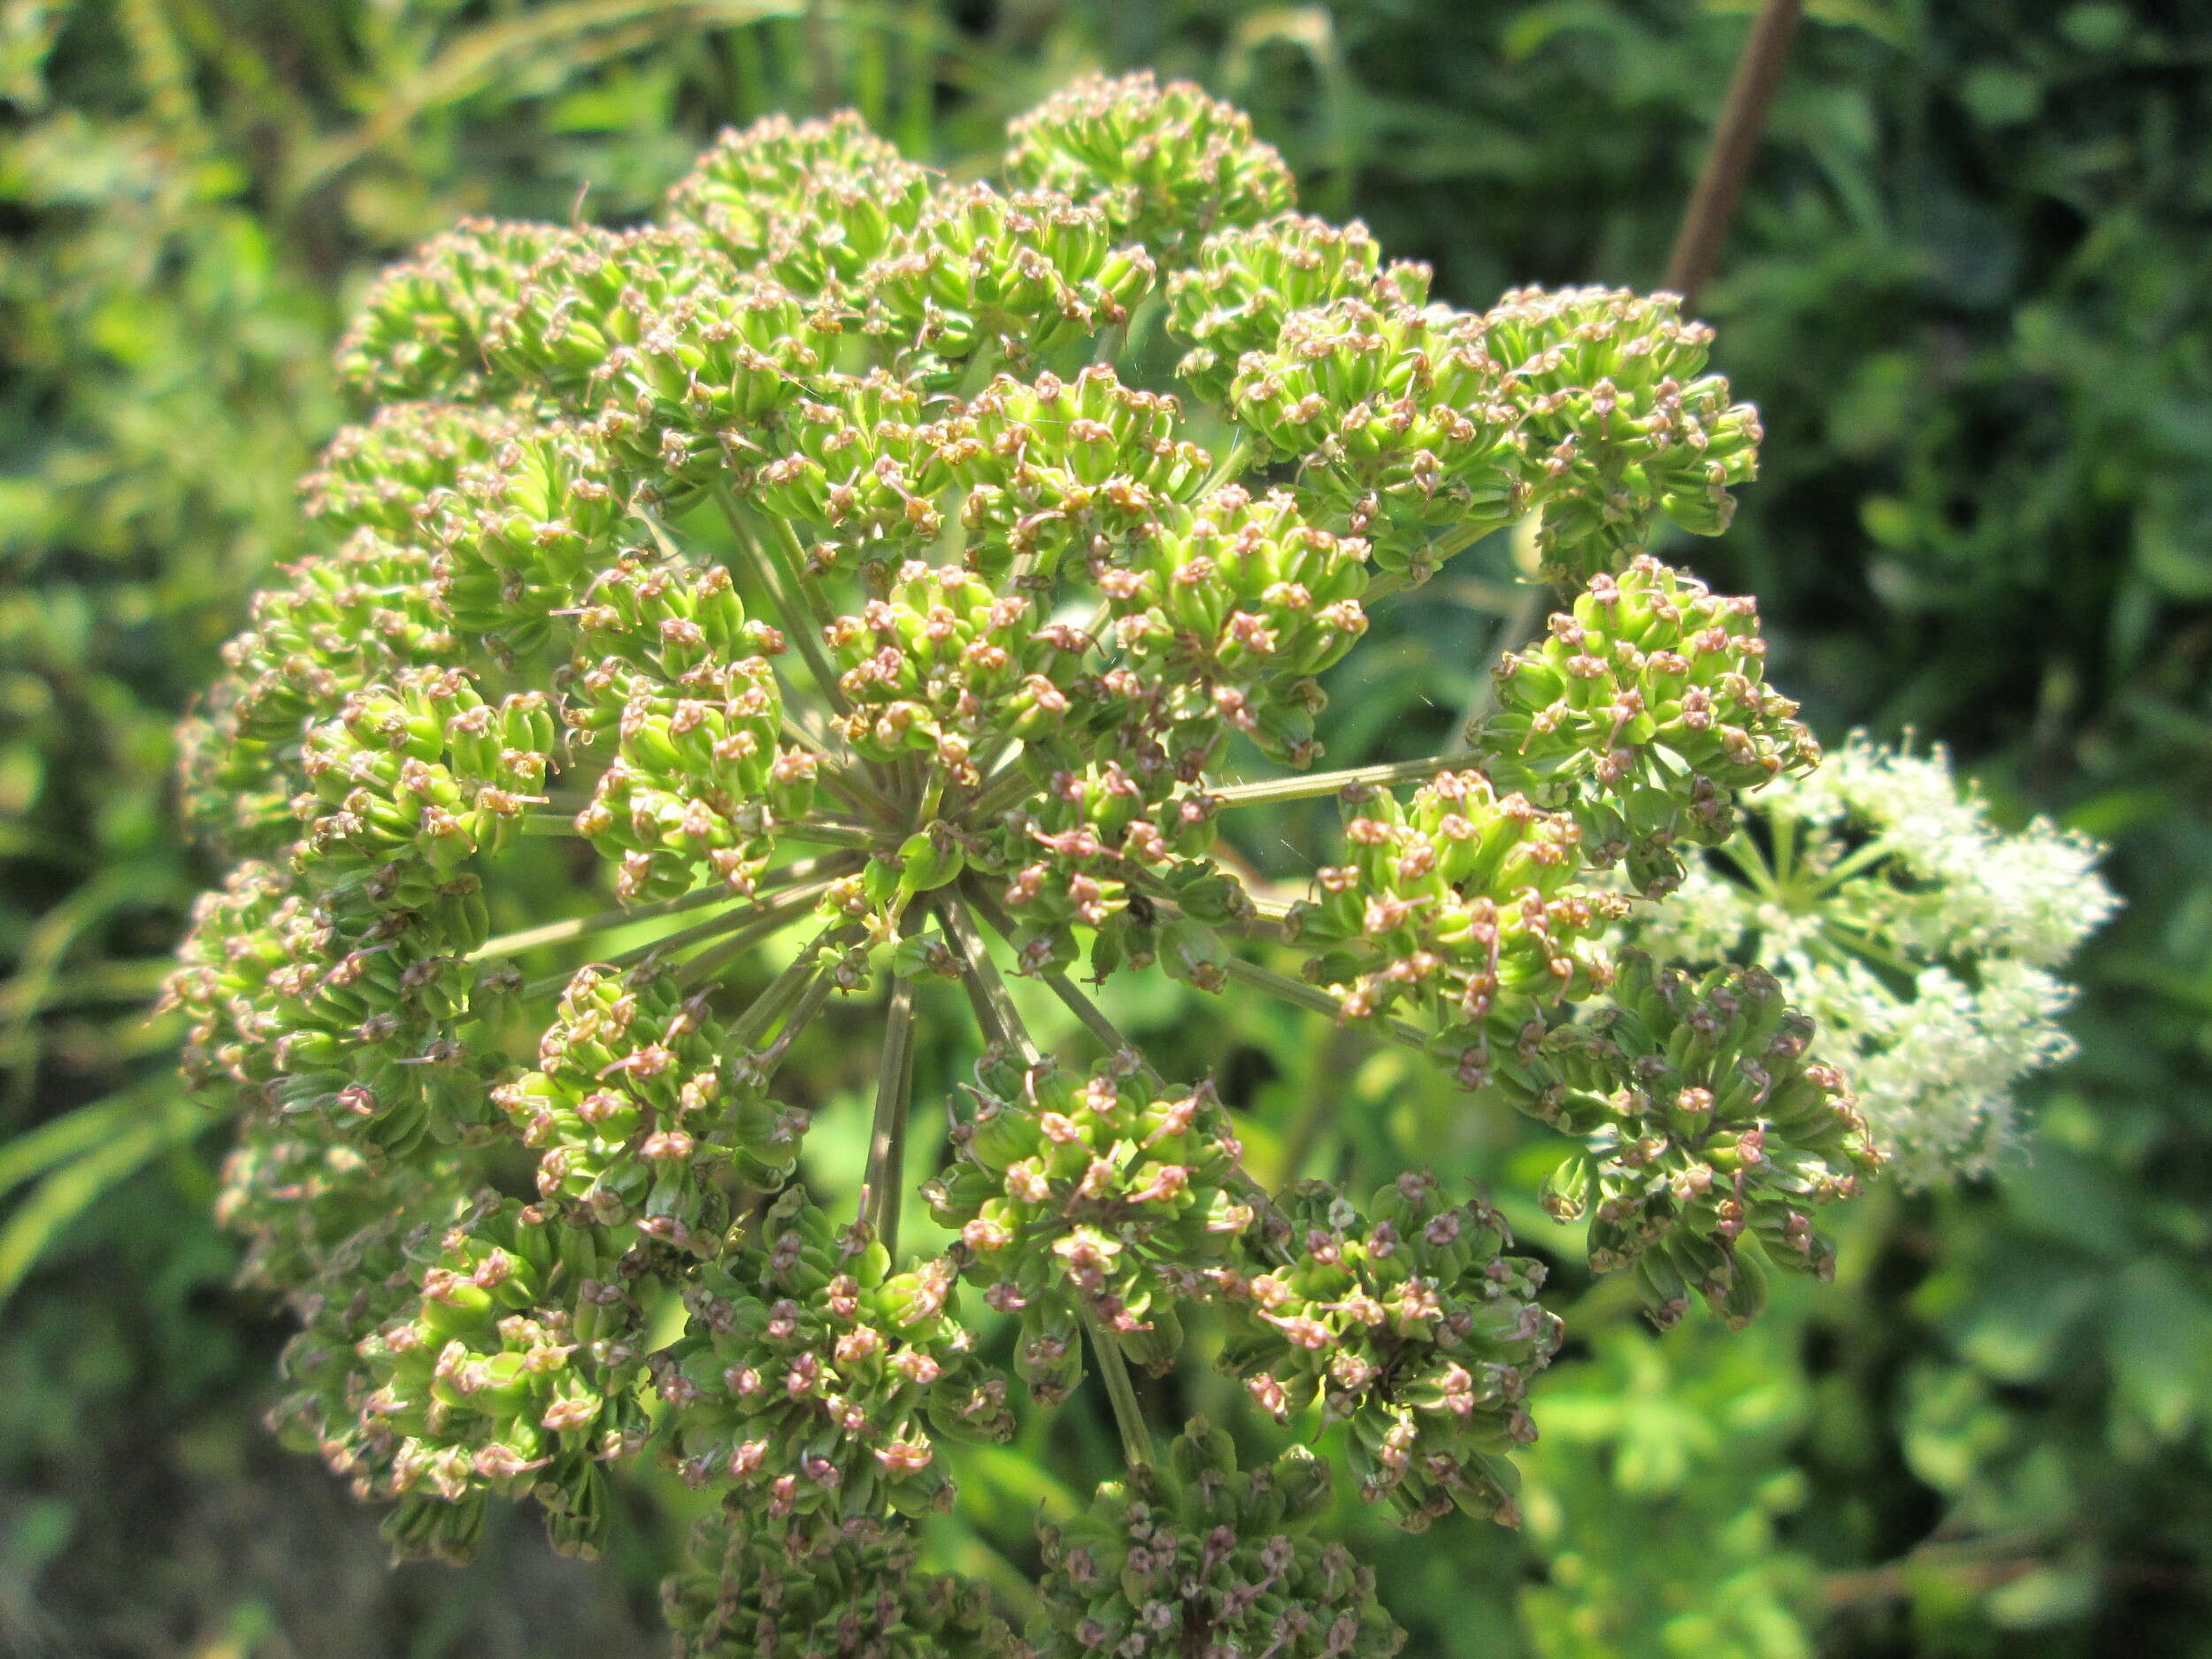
point(1968, 287)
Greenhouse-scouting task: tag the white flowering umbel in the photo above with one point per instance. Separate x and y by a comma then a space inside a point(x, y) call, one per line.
point(1926, 941)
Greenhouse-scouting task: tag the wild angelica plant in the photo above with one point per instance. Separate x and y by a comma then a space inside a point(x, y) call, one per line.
point(1050, 503)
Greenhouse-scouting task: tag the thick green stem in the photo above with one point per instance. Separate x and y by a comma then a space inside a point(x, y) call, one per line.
point(801, 1015)
point(859, 794)
point(840, 776)
point(995, 1006)
point(1443, 548)
point(996, 1009)
point(799, 608)
point(840, 836)
point(1782, 828)
point(1001, 793)
point(702, 968)
point(1136, 1437)
point(1230, 467)
point(981, 368)
point(788, 988)
point(1385, 585)
point(1865, 858)
point(1088, 1013)
point(1095, 1021)
point(886, 1141)
point(1316, 1111)
point(1321, 783)
point(748, 917)
point(1532, 602)
point(1319, 1001)
point(986, 1018)
point(737, 929)
point(1743, 852)
point(578, 927)
point(1111, 340)
point(789, 554)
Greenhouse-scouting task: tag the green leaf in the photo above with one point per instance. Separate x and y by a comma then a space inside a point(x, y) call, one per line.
point(2159, 1345)
point(81, 1181)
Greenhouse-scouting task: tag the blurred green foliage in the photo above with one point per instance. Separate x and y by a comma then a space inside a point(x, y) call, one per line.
point(1967, 287)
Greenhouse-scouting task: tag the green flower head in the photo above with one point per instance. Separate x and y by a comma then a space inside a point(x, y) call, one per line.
point(856, 580)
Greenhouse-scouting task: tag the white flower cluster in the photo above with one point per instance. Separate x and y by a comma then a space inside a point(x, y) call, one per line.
point(1925, 939)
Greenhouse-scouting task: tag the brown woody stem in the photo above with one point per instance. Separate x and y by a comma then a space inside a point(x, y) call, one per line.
point(1743, 118)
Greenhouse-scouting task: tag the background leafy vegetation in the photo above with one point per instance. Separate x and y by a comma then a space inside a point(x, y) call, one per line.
point(1967, 288)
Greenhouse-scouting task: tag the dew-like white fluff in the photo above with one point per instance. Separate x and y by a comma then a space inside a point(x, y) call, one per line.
point(1922, 937)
